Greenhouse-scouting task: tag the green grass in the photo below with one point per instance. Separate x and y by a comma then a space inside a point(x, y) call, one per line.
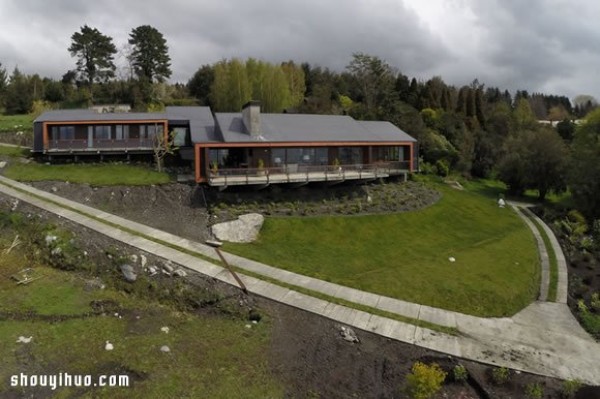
point(211, 356)
point(405, 255)
point(105, 174)
point(15, 123)
point(551, 256)
point(13, 151)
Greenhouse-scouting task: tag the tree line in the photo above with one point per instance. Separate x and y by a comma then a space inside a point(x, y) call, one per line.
point(473, 130)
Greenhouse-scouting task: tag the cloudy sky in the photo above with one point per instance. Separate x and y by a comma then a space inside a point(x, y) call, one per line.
point(550, 46)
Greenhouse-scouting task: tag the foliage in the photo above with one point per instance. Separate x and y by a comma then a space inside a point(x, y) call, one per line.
point(424, 381)
point(534, 390)
point(500, 375)
point(149, 54)
point(584, 176)
point(19, 95)
point(95, 53)
point(589, 320)
point(442, 168)
point(94, 174)
point(39, 107)
point(569, 388)
point(200, 83)
point(460, 373)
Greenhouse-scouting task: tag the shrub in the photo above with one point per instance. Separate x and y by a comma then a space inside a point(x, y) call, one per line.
point(442, 168)
point(569, 388)
point(460, 373)
point(596, 301)
point(424, 380)
point(534, 391)
point(500, 375)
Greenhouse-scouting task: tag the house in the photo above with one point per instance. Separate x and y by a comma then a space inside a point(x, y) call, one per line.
point(246, 148)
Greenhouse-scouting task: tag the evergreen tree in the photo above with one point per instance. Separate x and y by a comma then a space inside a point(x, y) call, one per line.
point(95, 53)
point(149, 54)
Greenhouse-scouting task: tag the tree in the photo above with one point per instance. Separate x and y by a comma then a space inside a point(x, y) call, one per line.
point(584, 176)
point(149, 54)
point(162, 146)
point(375, 80)
point(230, 89)
point(199, 85)
point(3, 83)
point(18, 98)
point(95, 53)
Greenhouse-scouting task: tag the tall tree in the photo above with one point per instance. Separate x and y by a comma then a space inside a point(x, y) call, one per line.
point(199, 85)
point(584, 176)
point(3, 83)
point(95, 54)
point(375, 79)
point(149, 54)
point(18, 94)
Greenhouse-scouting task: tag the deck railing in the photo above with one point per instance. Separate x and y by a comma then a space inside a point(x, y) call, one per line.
point(100, 144)
point(295, 173)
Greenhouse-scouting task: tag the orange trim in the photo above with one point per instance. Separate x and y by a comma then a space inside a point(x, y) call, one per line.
point(165, 132)
point(306, 144)
point(410, 167)
point(116, 122)
point(197, 161)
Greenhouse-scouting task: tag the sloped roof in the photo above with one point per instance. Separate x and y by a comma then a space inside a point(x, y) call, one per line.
point(82, 115)
point(202, 123)
point(308, 128)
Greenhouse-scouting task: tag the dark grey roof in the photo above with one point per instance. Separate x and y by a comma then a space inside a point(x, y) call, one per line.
point(202, 124)
point(80, 115)
point(309, 128)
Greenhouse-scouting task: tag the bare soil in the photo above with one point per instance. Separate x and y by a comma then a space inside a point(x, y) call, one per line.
point(307, 351)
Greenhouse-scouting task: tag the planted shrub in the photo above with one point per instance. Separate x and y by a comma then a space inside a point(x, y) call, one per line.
point(534, 391)
point(424, 381)
point(500, 375)
point(460, 373)
point(442, 168)
point(569, 388)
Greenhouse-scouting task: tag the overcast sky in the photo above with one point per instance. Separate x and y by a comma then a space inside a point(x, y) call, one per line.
point(550, 46)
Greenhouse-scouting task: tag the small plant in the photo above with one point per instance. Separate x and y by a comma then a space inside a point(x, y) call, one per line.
point(424, 381)
point(442, 168)
point(261, 164)
point(500, 375)
point(569, 388)
point(534, 391)
point(460, 373)
point(214, 167)
point(596, 301)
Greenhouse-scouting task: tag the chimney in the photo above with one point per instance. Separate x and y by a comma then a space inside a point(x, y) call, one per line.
point(251, 118)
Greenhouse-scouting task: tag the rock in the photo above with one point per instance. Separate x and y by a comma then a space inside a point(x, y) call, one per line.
point(244, 229)
point(133, 258)
point(348, 334)
point(180, 273)
point(152, 270)
point(2, 164)
point(143, 260)
point(501, 203)
point(129, 273)
point(15, 204)
point(93, 284)
point(369, 199)
point(452, 259)
point(54, 189)
point(165, 329)
point(108, 346)
point(165, 349)
point(24, 340)
point(167, 269)
point(248, 326)
point(56, 251)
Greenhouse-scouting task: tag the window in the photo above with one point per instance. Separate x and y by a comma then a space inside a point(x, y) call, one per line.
point(180, 135)
point(149, 131)
point(62, 133)
point(350, 155)
point(122, 132)
point(102, 132)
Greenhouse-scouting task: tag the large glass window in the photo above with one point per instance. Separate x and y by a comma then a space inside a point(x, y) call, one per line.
point(62, 133)
point(350, 155)
point(102, 132)
point(149, 131)
point(180, 135)
point(220, 156)
point(122, 132)
point(278, 156)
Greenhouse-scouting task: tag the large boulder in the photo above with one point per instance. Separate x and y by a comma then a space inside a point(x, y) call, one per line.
point(243, 229)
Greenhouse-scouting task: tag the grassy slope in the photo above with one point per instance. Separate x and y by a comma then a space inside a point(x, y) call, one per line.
point(214, 357)
point(15, 123)
point(94, 174)
point(406, 255)
point(13, 151)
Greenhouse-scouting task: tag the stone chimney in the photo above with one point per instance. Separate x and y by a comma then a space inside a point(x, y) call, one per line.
point(251, 118)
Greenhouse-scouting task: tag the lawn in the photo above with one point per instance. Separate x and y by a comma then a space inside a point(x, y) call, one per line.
point(13, 151)
point(105, 174)
point(15, 123)
point(406, 255)
point(211, 356)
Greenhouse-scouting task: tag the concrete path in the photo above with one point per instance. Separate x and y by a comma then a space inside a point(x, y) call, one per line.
point(544, 338)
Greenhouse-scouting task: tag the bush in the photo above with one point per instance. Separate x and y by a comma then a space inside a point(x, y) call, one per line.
point(500, 375)
point(534, 391)
point(424, 380)
point(460, 373)
point(569, 388)
point(442, 168)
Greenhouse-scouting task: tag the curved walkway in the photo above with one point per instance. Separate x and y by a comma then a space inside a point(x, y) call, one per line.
point(544, 338)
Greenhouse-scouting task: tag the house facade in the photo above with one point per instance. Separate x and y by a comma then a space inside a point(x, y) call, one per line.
point(246, 148)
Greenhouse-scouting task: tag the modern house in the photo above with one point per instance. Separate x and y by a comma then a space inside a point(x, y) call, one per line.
point(247, 148)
